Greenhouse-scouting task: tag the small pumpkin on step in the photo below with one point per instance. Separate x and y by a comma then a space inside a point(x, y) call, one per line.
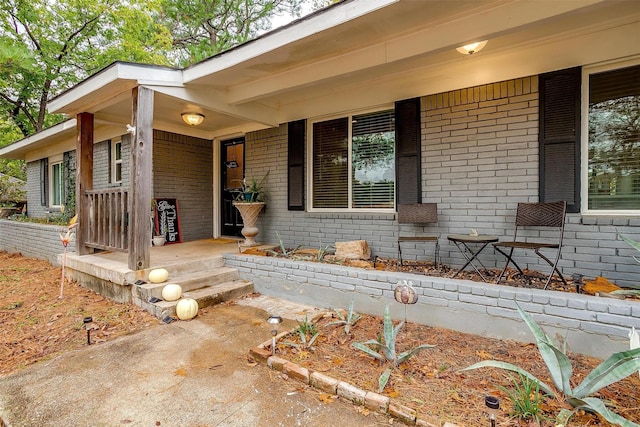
point(187, 309)
point(158, 275)
point(171, 292)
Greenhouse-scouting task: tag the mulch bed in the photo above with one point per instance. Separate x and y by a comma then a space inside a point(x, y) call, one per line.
point(431, 381)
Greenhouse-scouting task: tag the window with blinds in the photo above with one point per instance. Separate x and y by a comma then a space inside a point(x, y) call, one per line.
point(614, 140)
point(353, 162)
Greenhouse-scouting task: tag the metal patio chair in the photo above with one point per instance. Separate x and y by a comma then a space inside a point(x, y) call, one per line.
point(422, 214)
point(547, 215)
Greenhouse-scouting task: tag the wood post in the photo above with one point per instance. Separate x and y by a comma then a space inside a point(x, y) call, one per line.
point(141, 178)
point(84, 178)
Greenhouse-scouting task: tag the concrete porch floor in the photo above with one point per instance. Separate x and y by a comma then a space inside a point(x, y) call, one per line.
point(96, 271)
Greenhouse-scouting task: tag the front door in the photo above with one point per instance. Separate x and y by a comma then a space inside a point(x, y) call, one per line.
point(232, 156)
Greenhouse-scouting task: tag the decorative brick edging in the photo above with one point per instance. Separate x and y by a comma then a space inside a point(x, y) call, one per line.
point(370, 400)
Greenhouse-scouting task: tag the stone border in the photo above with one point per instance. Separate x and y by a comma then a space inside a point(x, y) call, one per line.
point(369, 399)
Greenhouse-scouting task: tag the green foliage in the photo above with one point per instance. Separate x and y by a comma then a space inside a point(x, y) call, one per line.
point(613, 369)
point(202, 29)
point(388, 347)
point(349, 320)
point(525, 397)
point(252, 190)
point(284, 252)
point(308, 333)
point(47, 47)
point(10, 190)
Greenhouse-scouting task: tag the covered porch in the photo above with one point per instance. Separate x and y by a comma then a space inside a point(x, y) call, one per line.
point(198, 267)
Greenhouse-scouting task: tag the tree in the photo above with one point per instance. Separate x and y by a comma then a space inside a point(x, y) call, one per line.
point(48, 46)
point(202, 28)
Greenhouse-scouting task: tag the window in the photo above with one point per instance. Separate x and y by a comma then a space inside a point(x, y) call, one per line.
point(353, 162)
point(613, 143)
point(56, 182)
point(116, 161)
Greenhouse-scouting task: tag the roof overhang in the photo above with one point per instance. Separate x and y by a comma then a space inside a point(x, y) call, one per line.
point(362, 53)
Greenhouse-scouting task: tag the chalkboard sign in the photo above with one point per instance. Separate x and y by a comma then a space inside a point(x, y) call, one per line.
point(167, 223)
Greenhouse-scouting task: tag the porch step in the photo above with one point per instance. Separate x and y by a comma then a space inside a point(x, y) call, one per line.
point(205, 296)
point(188, 282)
point(179, 268)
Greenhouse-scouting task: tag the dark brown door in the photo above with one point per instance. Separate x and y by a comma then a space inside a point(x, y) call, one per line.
point(232, 173)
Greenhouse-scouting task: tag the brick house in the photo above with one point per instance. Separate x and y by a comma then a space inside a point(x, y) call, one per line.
point(536, 115)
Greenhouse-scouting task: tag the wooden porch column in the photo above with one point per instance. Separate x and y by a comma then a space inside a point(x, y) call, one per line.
point(141, 178)
point(84, 178)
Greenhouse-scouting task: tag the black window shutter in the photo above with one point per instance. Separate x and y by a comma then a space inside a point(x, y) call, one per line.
point(408, 161)
point(44, 181)
point(559, 137)
point(296, 144)
point(109, 160)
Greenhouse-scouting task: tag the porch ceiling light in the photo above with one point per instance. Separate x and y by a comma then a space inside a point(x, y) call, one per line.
point(470, 49)
point(192, 119)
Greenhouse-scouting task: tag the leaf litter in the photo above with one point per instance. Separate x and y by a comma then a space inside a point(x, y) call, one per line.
point(431, 381)
point(35, 325)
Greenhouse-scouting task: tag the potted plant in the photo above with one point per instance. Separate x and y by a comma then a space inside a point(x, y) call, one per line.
point(250, 202)
point(158, 232)
point(252, 190)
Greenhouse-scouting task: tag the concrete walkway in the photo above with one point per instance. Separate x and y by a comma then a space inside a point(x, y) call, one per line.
point(192, 373)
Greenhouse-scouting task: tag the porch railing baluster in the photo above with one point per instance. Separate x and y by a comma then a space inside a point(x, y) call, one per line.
point(108, 219)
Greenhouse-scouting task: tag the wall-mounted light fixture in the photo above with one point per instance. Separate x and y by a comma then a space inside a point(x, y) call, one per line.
point(471, 48)
point(192, 119)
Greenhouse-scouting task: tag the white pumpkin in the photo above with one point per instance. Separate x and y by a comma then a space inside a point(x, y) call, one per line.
point(187, 309)
point(158, 275)
point(171, 292)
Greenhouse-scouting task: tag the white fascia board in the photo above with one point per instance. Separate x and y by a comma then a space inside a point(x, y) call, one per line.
point(212, 100)
point(482, 24)
point(54, 132)
point(332, 17)
point(91, 90)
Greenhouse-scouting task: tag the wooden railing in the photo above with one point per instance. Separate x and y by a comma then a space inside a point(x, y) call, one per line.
point(108, 219)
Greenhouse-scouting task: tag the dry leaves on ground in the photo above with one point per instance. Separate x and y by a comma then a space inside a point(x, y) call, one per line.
point(431, 381)
point(36, 325)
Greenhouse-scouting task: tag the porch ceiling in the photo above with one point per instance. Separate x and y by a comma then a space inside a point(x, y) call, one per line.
point(339, 59)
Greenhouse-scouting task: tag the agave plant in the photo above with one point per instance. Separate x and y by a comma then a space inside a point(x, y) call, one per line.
point(308, 333)
point(348, 321)
point(388, 347)
point(613, 369)
point(633, 244)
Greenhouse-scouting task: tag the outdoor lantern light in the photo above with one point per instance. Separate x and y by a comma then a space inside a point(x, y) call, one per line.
point(192, 119)
point(274, 322)
point(87, 325)
point(493, 404)
point(471, 48)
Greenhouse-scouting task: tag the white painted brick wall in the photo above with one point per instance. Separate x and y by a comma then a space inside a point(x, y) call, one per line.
point(33, 240)
point(592, 325)
point(479, 159)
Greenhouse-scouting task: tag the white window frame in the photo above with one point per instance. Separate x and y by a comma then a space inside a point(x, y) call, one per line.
point(54, 161)
point(584, 136)
point(115, 162)
point(349, 115)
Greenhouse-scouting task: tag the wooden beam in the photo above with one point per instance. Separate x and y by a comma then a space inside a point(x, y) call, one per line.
point(141, 178)
point(84, 178)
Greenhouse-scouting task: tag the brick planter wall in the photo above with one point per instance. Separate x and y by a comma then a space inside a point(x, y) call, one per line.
point(591, 325)
point(33, 240)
